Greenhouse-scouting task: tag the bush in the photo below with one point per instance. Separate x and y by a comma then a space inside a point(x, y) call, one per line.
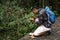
point(15, 22)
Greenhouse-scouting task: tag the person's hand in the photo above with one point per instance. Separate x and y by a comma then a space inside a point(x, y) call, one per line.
point(32, 19)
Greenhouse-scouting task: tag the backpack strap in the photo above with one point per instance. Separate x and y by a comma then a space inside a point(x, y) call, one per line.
point(48, 17)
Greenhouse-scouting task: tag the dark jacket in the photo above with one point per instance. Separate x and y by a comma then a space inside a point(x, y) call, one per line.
point(43, 19)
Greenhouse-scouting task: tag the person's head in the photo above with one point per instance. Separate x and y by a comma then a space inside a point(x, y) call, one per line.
point(35, 10)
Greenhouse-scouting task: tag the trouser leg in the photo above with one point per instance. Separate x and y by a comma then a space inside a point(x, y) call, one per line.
point(40, 29)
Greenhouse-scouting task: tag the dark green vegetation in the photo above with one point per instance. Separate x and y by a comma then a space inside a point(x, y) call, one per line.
point(14, 18)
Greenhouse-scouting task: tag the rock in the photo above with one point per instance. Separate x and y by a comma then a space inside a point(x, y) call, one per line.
point(55, 35)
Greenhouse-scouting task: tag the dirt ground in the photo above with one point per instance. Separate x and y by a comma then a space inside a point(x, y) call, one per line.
point(55, 35)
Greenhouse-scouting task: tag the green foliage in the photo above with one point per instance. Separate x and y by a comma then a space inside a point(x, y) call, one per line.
point(56, 13)
point(14, 22)
point(26, 25)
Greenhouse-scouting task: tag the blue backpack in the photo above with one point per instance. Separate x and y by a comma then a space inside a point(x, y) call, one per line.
point(50, 14)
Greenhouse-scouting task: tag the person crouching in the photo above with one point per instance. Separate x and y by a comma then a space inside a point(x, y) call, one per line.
point(41, 19)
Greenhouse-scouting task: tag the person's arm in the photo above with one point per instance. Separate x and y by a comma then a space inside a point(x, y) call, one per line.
point(45, 17)
point(41, 18)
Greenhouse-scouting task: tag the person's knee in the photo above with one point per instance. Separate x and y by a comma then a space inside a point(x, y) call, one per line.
point(40, 34)
point(36, 34)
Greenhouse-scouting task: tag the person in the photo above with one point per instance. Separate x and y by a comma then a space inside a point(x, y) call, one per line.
point(41, 19)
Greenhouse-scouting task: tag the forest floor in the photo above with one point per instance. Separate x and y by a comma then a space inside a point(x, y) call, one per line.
point(55, 35)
